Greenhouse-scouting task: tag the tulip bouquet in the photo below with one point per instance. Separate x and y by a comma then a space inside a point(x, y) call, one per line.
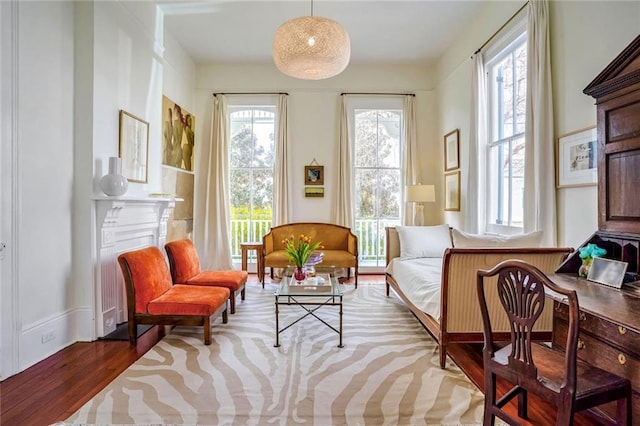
point(300, 249)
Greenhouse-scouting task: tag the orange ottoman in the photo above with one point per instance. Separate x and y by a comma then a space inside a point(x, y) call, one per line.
point(185, 269)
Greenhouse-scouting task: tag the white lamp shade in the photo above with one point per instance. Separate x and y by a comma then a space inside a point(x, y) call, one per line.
point(421, 193)
point(311, 48)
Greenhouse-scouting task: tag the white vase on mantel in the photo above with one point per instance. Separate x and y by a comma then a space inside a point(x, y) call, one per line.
point(113, 183)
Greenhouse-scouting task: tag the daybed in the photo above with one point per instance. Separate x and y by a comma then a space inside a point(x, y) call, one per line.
point(340, 245)
point(437, 281)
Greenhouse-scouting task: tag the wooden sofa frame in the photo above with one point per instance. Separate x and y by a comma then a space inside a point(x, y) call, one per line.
point(460, 317)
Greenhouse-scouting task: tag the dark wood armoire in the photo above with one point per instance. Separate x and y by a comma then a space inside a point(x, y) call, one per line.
point(610, 318)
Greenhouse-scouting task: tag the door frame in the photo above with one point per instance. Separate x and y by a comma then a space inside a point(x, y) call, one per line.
point(9, 202)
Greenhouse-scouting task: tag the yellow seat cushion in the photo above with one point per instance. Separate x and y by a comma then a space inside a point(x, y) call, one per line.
point(337, 258)
point(189, 300)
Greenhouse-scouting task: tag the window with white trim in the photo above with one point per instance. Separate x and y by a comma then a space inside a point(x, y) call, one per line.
point(251, 160)
point(505, 151)
point(378, 179)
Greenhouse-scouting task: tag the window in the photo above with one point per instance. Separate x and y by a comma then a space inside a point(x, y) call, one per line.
point(251, 159)
point(378, 179)
point(507, 88)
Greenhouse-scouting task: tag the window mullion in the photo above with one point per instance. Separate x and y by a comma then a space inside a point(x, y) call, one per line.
point(251, 186)
point(513, 131)
point(377, 172)
point(510, 195)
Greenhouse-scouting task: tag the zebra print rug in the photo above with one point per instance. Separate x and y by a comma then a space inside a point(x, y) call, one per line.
point(387, 372)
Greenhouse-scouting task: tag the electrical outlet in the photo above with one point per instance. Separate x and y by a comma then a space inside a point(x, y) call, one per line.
point(47, 337)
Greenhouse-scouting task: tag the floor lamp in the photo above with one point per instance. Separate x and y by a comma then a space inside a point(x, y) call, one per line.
point(420, 194)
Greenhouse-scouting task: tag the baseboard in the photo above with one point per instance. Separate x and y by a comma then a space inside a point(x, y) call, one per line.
point(40, 340)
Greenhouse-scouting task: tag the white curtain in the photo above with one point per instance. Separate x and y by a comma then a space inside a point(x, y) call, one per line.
point(280, 170)
point(217, 243)
point(475, 184)
point(539, 170)
point(410, 159)
point(343, 208)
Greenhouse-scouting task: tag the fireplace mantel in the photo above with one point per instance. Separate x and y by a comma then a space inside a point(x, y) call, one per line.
point(122, 224)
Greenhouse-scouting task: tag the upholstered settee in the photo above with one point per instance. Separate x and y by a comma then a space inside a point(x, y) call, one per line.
point(340, 245)
point(436, 278)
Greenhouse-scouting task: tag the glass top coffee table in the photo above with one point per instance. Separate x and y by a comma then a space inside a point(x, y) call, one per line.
point(311, 295)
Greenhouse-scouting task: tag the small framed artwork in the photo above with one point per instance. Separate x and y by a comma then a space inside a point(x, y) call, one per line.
point(608, 272)
point(578, 158)
point(314, 192)
point(134, 147)
point(314, 175)
point(451, 150)
point(452, 191)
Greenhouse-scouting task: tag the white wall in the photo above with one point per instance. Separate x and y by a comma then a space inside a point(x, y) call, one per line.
point(118, 65)
point(585, 37)
point(128, 74)
point(44, 176)
point(179, 74)
point(314, 121)
point(453, 89)
point(79, 64)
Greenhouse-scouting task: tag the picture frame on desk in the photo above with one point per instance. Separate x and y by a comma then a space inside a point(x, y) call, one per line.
point(607, 271)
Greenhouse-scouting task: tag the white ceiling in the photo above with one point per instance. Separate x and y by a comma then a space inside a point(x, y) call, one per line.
point(393, 31)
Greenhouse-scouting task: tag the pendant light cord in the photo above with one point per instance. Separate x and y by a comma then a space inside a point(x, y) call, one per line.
point(311, 7)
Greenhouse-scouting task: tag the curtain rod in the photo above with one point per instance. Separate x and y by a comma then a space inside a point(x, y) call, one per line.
point(250, 93)
point(378, 94)
point(500, 29)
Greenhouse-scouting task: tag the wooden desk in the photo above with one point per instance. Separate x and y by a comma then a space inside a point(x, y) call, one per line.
point(609, 330)
point(245, 247)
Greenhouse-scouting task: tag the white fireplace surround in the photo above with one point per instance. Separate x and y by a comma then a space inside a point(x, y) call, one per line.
point(122, 224)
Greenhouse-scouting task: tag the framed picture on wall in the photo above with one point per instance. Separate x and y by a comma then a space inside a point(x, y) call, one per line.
point(314, 192)
point(134, 147)
point(178, 135)
point(578, 159)
point(452, 150)
point(452, 191)
point(314, 175)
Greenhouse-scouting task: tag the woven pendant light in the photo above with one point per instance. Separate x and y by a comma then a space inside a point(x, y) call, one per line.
point(311, 48)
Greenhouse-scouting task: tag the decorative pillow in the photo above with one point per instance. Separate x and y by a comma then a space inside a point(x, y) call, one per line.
point(423, 241)
point(463, 240)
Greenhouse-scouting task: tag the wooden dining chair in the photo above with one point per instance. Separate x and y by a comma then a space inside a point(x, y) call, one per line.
point(553, 375)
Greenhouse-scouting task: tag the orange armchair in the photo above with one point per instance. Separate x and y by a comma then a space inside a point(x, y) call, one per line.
point(152, 299)
point(185, 269)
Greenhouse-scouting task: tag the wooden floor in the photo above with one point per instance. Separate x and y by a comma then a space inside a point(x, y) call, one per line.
point(55, 388)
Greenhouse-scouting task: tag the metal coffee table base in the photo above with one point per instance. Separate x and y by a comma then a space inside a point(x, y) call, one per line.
point(291, 300)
